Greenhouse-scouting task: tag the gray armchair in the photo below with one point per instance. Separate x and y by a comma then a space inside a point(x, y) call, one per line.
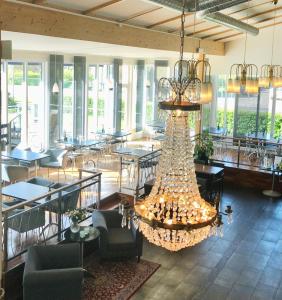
point(53, 272)
point(115, 241)
point(54, 161)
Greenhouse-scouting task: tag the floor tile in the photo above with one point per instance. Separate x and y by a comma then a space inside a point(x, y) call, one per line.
point(239, 292)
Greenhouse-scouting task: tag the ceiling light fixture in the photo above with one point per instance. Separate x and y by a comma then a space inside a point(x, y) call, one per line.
point(270, 75)
point(243, 77)
point(55, 88)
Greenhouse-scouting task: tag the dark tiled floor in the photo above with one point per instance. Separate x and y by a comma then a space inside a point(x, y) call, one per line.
point(245, 264)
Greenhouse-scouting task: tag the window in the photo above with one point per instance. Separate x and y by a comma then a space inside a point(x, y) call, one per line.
point(17, 95)
point(92, 100)
point(35, 99)
point(105, 97)
point(277, 119)
point(68, 95)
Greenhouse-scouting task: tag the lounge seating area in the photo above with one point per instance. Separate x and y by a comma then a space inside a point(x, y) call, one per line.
point(141, 150)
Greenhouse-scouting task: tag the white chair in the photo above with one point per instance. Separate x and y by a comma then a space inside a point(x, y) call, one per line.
point(13, 174)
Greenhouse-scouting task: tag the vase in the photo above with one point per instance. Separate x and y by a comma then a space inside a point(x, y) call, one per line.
point(2, 293)
point(74, 227)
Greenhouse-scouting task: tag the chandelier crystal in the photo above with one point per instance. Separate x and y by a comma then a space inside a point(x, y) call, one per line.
point(174, 215)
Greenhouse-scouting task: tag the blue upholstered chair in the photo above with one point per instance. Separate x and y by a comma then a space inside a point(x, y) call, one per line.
point(54, 161)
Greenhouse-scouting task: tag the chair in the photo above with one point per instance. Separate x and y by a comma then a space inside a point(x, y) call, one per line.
point(115, 241)
point(11, 173)
point(53, 272)
point(41, 181)
point(54, 161)
point(23, 221)
point(68, 201)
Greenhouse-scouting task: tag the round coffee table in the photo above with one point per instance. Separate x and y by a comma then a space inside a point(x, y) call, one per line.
point(85, 234)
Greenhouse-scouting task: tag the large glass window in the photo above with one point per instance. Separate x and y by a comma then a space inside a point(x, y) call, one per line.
point(277, 120)
point(92, 100)
point(35, 105)
point(68, 95)
point(105, 97)
point(17, 95)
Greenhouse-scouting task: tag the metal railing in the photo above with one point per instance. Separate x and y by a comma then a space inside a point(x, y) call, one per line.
point(43, 219)
point(139, 170)
point(245, 152)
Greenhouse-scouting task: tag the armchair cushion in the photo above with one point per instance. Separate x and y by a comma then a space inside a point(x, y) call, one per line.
point(120, 238)
point(115, 241)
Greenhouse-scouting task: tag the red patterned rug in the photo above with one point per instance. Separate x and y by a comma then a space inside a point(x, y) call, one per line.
point(117, 280)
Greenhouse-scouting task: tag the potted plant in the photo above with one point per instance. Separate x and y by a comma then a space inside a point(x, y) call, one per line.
point(204, 147)
point(77, 215)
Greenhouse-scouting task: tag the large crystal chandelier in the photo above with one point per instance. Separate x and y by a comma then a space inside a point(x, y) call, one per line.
point(174, 215)
point(243, 77)
point(271, 75)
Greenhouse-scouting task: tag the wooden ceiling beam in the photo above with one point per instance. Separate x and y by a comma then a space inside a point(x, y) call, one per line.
point(39, 2)
point(101, 6)
point(166, 21)
point(261, 27)
point(250, 17)
point(35, 19)
point(139, 14)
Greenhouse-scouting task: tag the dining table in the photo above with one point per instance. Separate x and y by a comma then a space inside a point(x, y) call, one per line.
point(25, 155)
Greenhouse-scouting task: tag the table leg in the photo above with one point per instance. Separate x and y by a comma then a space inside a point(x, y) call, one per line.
point(86, 273)
point(36, 167)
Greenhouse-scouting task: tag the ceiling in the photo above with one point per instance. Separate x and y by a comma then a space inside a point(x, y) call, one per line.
point(145, 14)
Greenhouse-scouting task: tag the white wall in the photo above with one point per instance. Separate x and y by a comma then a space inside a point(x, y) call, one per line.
point(258, 51)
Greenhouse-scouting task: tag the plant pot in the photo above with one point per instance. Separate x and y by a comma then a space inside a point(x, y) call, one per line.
point(74, 227)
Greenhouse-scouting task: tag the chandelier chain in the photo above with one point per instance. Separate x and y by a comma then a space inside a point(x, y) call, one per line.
point(273, 35)
point(182, 34)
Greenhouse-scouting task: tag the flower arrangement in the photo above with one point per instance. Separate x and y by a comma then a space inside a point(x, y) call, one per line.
point(77, 215)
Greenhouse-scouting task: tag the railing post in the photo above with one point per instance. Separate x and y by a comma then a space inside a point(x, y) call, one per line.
point(5, 245)
point(99, 192)
point(60, 216)
point(120, 173)
point(239, 149)
point(80, 177)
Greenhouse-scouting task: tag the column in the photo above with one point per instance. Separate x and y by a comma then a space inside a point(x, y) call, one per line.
point(56, 74)
point(79, 96)
point(117, 93)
